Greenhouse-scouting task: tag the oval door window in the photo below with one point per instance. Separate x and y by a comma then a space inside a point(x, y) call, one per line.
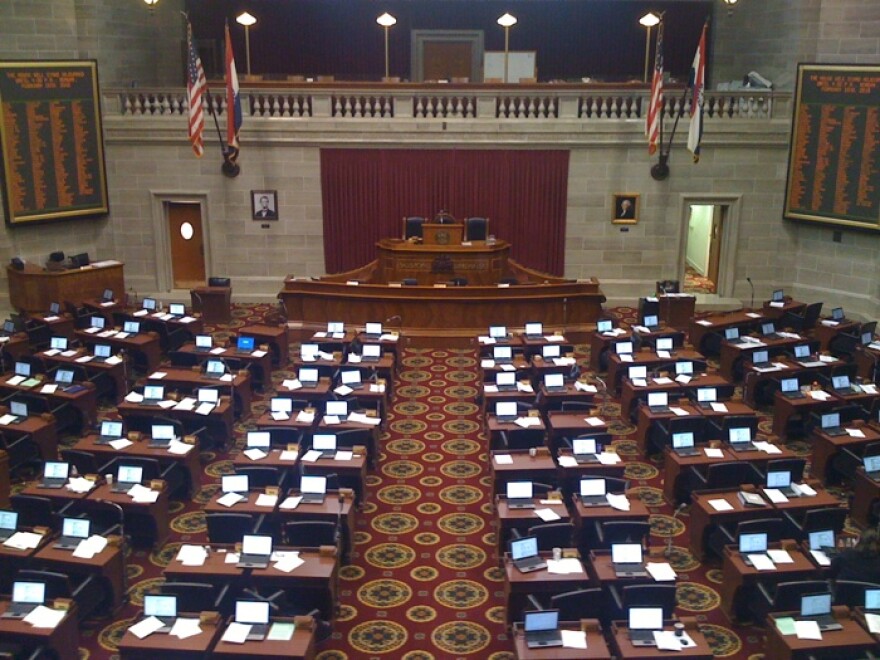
point(186, 231)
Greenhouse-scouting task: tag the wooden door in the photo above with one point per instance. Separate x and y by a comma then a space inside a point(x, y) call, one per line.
point(187, 245)
point(715, 244)
point(445, 60)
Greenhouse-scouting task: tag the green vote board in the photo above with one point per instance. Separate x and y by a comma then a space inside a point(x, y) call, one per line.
point(51, 140)
point(834, 158)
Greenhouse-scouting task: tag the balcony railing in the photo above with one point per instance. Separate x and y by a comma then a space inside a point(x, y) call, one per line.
point(545, 103)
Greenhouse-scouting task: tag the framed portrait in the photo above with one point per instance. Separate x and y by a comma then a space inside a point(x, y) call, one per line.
point(264, 204)
point(625, 208)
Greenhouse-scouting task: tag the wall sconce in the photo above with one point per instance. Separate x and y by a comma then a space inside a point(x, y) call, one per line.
point(387, 21)
point(506, 21)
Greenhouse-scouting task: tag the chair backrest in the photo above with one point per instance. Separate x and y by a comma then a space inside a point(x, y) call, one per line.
point(870, 326)
point(739, 421)
point(191, 596)
point(311, 533)
point(409, 281)
point(34, 511)
point(476, 229)
point(827, 518)
point(793, 465)
point(729, 474)
point(57, 584)
point(616, 485)
point(412, 227)
point(668, 286)
point(690, 424)
point(788, 594)
point(580, 604)
point(650, 595)
point(770, 526)
point(852, 592)
point(570, 406)
point(624, 531)
point(228, 527)
point(84, 462)
point(260, 476)
point(459, 281)
point(150, 466)
point(553, 535)
point(219, 281)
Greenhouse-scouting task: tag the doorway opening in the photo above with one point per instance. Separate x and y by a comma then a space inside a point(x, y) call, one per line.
point(454, 55)
point(187, 243)
point(705, 232)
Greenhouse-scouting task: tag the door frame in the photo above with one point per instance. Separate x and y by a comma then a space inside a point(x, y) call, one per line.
point(161, 240)
point(418, 39)
point(729, 236)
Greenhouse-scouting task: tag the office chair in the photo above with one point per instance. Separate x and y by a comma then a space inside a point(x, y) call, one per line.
point(458, 281)
point(722, 430)
point(412, 227)
point(724, 476)
point(785, 597)
point(553, 535)
point(476, 229)
point(664, 431)
point(36, 511)
point(521, 439)
point(224, 282)
point(580, 604)
point(801, 322)
point(641, 595)
point(85, 462)
point(576, 406)
point(184, 359)
point(85, 590)
point(845, 463)
point(508, 280)
point(228, 527)
point(21, 451)
point(199, 597)
point(852, 592)
point(311, 533)
point(668, 286)
point(793, 465)
point(609, 532)
point(724, 533)
point(844, 345)
point(648, 308)
point(260, 476)
point(798, 527)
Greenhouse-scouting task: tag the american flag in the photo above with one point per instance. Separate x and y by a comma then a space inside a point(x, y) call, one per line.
point(196, 87)
point(655, 112)
point(698, 73)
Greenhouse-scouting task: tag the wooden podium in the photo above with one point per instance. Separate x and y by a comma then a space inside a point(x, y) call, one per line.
point(213, 302)
point(34, 288)
point(442, 234)
point(480, 263)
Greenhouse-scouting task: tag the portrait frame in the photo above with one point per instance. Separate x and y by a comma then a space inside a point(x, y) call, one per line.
point(257, 204)
point(620, 212)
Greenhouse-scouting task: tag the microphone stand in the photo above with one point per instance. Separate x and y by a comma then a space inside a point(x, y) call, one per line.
point(752, 304)
point(121, 513)
point(668, 551)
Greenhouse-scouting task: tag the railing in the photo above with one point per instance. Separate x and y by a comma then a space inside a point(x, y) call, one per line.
point(389, 103)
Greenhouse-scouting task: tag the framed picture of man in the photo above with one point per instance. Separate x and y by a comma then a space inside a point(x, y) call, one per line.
point(625, 209)
point(264, 204)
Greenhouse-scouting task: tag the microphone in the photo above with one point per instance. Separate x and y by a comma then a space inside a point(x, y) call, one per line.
point(749, 280)
point(668, 551)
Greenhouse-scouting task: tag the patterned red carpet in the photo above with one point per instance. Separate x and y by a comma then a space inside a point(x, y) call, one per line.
point(423, 582)
point(696, 283)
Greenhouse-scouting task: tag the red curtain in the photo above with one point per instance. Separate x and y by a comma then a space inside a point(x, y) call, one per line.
point(367, 192)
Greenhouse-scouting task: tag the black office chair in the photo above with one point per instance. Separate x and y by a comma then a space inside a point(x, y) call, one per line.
point(846, 462)
point(412, 227)
point(662, 434)
point(311, 533)
point(785, 597)
point(261, 476)
point(609, 532)
point(798, 527)
point(852, 592)
point(795, 466)
point(228, 527)
point(21, 451)
point(576, 406)
point(724, 476)
point(85, 462)
point(36, 511)
point(724, 534)
point(553, 535)
point(641, 595)
point(476, 229)
point(85, 590)
point(224, 282)
point(668, 286)
point(844, 345)
point(801, 322)
point(580, 604)
point(722, 430)
point(521, 439)
point(199, 597)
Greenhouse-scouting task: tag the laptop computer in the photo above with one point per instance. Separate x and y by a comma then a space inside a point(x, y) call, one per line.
point(55, 474)
point(637, 371)
point(554, 382)
point(163, 607)
point(604, 325)
point(261, 440)
point(761, 359)
point(9, 327)
point(256, 614)
point(502, 354)
point(866, 338)
point(830, 424)
point(683, 444)
point(372, 330)
point(215, 369)
point(8, 524)
point(541, 628)
point(244, 344)
point(208, 395)
point(802, 352)
point(97, 322)
point(664, 344)
point(837, 314)
point(520, 494)
point(351, 378)
point(781, 481)
point(336, 329)
point(337, 409)
point(64, 377)
point(177, 309)
point(824, 541)
point(281, 404)
point(817, 607)
point(498, 332)
point(161, 435)
point(102, 352)
point(110, 430)
point(308, 376)
point(872, 600)
point(54, 308)
point(623, 348)
point(506, 411)
point(841, 385)
point(153, 395)
point(22, 369)
point(371, 352)
point(19, 410)
point(642, 622)
point(505, 381)
point(59, 343)
point(651, 321)
point(592, 492)
point(313, 488)
point(584, 450)
point(73, 530)
point(324, 443)
point(107, 296)
point(26, 596)
point(235, 483)
point(204, 343)
point(551, 351)
point(706, 396)
point(778, 296)
point(524, 554)
point(732, 335)
point(533, 330)
point(309, 352)
point(684, 368)
point(127, 476)
point(750, 544)
point(790, 388)
point(768, 330)
point(658, 402)
point(626, 558)
point(131, 327)
point(256, 551)
point(740, 438)
point(149, 304)
point(872, 466)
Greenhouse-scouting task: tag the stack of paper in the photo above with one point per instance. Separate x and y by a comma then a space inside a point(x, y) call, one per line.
point(143, 495)
point(230, 499)
point(80, 485)
point(23, 541)
point(618, 501)
point(185, 628)
point(291, 383)
point(565, 566)
point(264, 499)
point(291, 502)
point(547, 515)
point(288, 561)
point(90, 547)
point(192, 555)
point(236, 633)
point(254, 453)
point(44, 617)
point(661, 571)
point(503, 459)
point(179, 448)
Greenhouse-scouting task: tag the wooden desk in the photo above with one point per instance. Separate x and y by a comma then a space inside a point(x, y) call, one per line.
point(320, 392)
point(34, 288)
point(541, 468)
point(866, 359)
point(157, 645)
point(213, 302)
point(646, 419)
point(741, 579)
point(299, 647)
point(784, 409)
point(145, 344)
point(42, 433)
point(596, 649)
point(495, 427)
point(59, 326)
point(826, 447)
point(62, 640)
point(775, 310)
point(826, 333)
point(677, 310)
point(13, 347)
point(84, 402)
point(350, 474)
point(271, 459)
point(143, 520)
point(219, 422)
point(867, 492)
point(276, 336)
point(586, 518)
point(114, 372)
point(733, 356)
point(507, 519)
point(259, 362)
point(601, 343)
point(481, 263)
point(188, 381)
point(623, 648)
point(718, 323)
point(518, 585)
point(331, 509)
point(443, 234)
point(570, 425)
point(108, 565)
point(617, 367)
point(844, 643)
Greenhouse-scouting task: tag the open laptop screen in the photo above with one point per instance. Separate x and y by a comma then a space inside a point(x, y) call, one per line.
point(658, 399)
point(665, 344)
point(815, 604)
point(872, 463)
point(645, 618)
point(753, 542)
point(8, 519)
point(162, 432)
point(160, 605)
point(176, 309)
point(505, 409)
point(823, 538)
point(111, 429)
point(519, 490)
point(624, 347)
point(77, 528)
point(650, 321)
point(638, 371)
point(373, 328)
point(626, 553)
point(313, 484)
point(707, 394)
point(252, 611)
point(154, 392)
point(540, 620)
point(524, 547)
point(554, 380)
point(352, 377)
point(505, 378)
point(337, 408)
point(682, 440)
point(245, 344)
point(281, 404)
point(591, 487)
point(324, 441)
point(56, 470)
point(253, 544)
point(534, 328)
point(583, 446)
point(778, 295)
point(739, 435)
point(684, 368)
point(204, 341)
point(259, 439)
point(604, 325)
point(29, 592)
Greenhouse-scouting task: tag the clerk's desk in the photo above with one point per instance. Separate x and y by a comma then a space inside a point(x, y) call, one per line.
point(430, 262)
point(34, 288)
